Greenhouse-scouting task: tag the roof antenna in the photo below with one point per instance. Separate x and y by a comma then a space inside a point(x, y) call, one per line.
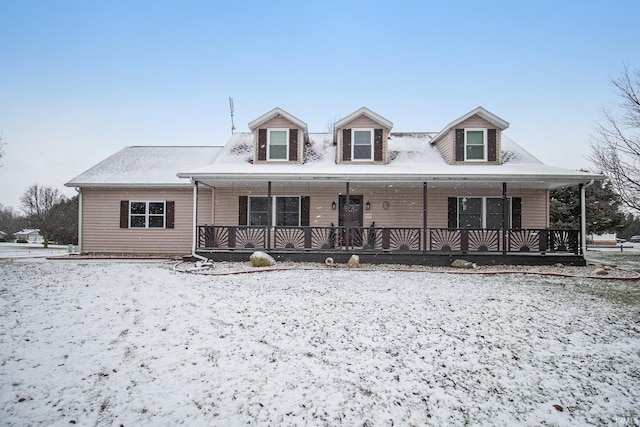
point(233, 128)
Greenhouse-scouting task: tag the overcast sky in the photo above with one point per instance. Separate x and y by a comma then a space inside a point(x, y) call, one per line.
point(79, 80)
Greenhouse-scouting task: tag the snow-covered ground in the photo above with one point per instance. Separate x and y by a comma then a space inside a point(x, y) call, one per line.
point(31, 250)
point(115, 343)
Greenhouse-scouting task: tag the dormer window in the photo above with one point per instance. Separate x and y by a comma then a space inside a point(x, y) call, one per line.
point(278, 145)
point(475, 144)
point(362, 144)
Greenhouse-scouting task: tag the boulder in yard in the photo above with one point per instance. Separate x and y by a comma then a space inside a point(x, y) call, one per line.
point(354, 261)
point(261, 259)
point(460, 263)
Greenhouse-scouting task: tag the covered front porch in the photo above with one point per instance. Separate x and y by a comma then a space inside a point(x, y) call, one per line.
point(354, 218)
point(434, 246)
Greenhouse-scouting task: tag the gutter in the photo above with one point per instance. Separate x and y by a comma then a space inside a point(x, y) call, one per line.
point(583, 216)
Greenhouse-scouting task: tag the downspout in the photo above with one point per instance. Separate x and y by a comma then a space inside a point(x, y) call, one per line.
point(79, 190)
point(583, 217)
point(194, 236)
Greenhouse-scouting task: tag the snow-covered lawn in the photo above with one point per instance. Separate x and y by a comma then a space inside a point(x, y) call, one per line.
point(132, 343)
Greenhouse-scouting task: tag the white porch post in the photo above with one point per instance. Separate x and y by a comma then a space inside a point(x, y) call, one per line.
point(583, 217)
point(194, 236)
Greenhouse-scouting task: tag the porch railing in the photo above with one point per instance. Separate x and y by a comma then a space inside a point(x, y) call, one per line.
point(394, 239)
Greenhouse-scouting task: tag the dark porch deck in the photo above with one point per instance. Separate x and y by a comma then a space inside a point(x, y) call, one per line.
point(392, 245)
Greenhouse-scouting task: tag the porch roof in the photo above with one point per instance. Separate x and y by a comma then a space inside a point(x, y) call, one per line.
point(412, 161)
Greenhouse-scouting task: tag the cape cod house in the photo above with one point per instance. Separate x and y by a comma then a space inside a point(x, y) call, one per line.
point(415, 197)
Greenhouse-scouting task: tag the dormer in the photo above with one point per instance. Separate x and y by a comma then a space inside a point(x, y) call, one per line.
point(362, 137)
point(474, 138)
point(278, 137)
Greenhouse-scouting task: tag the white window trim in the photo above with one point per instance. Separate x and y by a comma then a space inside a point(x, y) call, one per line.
point(273, 209)
point(286, 130)
point(485, 154)
point(484, 209)
point(147, 214)
point(353, 144)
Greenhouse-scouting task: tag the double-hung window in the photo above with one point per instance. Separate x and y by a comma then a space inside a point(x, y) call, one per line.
point(277, 144)
point(482, 212)
point(475, 144)
point(362, 146)
point(285, 211)
point(147, 214)
point(258, 210)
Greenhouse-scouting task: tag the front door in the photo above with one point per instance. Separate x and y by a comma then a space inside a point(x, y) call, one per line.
point(350, 218)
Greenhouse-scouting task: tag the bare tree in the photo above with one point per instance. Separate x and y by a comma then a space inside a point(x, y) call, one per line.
point(38, 205)
point(2, 144)
point(615, 149)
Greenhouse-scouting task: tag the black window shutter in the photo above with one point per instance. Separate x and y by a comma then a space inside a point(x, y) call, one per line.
point(124, 214)
point(453, 212)
point(492, 145)
point(243, 208)
point(171, 213)
point(459, 145)
point(346, 145)
point(377, 145)
point(516, 214)
point(262, 144)
point(305, 207)
point(293, 145)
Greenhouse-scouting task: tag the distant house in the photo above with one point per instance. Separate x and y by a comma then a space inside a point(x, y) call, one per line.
point(605, 239)
point(3, 236)
point(420, 197)
point(31, 235)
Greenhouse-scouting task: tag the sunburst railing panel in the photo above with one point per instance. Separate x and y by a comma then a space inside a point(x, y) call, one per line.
point(483, 240)
point(564, 241)
point(250, 237)
point(524, 241)
point(387, 239)
point(444, 239)
point(290, 238)
point(405, 239)
point(213, 237)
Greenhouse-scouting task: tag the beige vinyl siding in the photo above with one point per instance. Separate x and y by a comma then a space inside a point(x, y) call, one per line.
point(535, 209)
point(205, 205)
point(363, 122)
point(101, 232)
point(280, 123)
point(446, 147)
point(405, 205)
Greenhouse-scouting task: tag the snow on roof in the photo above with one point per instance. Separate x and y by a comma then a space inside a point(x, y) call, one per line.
point(412, 156)
point(28, 231)
point(149, 165)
